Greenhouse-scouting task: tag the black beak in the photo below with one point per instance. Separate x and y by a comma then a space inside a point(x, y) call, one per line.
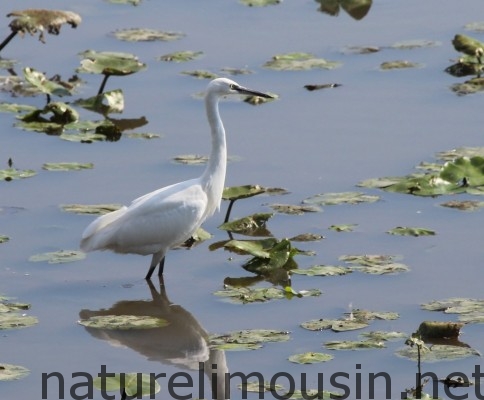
point(250, 92)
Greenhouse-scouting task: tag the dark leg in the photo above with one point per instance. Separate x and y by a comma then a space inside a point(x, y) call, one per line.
point(157, 258)
point(162, 267)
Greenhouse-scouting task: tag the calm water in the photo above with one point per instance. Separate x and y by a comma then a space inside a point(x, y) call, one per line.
point(376, 124)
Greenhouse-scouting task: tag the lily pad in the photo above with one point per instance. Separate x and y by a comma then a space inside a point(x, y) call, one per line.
point(109, 63)
point(9, 372)
point(200, 74)
point(306, 237)
point(337, 325)
point(294, 209)
point(16, 108)
point(316, 394)
point(59, 257)
point(4, 238)
point(343, 227)
point(365, 315)
point(310, 358)
point(384, 336)
point(248, 225)
point(354, 345)
point(249, 339)
point(242, 192)
point(67, 166)
point(135, 384)
point(44, 85)
point(438, 352)
point(110, 102)
point(469, 310)
point(329, 199)
point(260, 3)
point(96, 209)
point(471, 86)
point(13, 320)
point(146, 35)
point(181, 56)
point(398, 64)
point(322, 270)
point(245, 295)
point(464, 205)
point(123, 322)
point(375, 264)
point(411, 231)
point(259, 387)
point(14, 173)
point(414, 44)
point(475, 26)
point(299, 62)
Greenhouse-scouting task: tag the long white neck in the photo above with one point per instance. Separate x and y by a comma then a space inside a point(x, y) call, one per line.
point(213, 178)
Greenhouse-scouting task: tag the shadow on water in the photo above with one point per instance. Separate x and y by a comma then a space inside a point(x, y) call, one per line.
point(183, 343)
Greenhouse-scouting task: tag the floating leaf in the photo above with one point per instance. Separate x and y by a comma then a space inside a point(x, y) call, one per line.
point(109, 63)
point(316, 394)
point(475, 26)
point(343, 227)
point(242, 192)
point(43, 84)
point(67, 166)
point(306, 237)
point(11, 320)
point(248, 295)
point(59, 257)
point(411, 231)
point(354, 345)
point(464, 205)
point(348, 325)
point(135, 384)
point(9, 372)
point(13, 173)
point(322, 86)
point(310, 358)
point(414, 44)
point(96, 209)
point(379, 336)
point(365, 315)
point(438, 352)
point(259, 387)
point(374, 264)
point(15, 108)
point(191, 159)
point(398, 64)
point(322, 270)
point(123, 322)
point(4, 238)
point(249, 339)
point(109, 102)
point(200, 74)
point(146, 35)
point(294, 209)
point(181, 56)
point(471, 86)
point(299, 61)
point(327, 199)
point(247, 225)
point(260, 3)
point(337, 325)
point(469, 310)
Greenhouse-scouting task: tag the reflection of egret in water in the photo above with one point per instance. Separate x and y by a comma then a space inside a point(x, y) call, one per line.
point(183, 343)
point(357, 9)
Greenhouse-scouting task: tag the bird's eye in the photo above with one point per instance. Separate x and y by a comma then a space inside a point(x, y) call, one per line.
point(232, 86)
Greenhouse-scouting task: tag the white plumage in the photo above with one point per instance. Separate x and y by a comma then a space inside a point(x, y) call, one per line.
point(167, 217)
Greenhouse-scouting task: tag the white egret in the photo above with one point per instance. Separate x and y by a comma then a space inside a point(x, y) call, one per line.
point(167, 217)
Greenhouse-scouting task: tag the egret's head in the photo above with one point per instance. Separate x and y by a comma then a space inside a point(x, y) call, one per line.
point(225, 86)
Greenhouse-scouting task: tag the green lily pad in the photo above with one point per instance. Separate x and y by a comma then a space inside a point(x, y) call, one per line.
point(67, 166)
point(411, 231)
point(96, 209)
point(242, 192)
point(316, 394)
point(354, 345)
point(181, 56)
point(469, 152)
point(13, 320)
point(293, 209)
point(329, 199)
point(259, 387)
point(58, 257)
point(438, 352)
point(375, 264)
point(298, 62)
point(343, 227)
point(469, 310)
point(9, 372)
point(348, 325)
point(322, 270)
point(134, 384)
point(337, 325)
point(13, 173)
point(365, 315)
point(60, 115)
point(32, 21)
point(4, 238)
point(16, 108)
point(191, 159)
point(310, 358)
point(249, 225)
point(379, 336)
point(471, 86)
point(110, 102)
point(249, 339)
point(468, 45)
point(200, 74)
point(260, 3)
point(109, 63)
point(146, 35)
point(398, 64)
point(464, 205)
point(124, 322)
point(414, 44)
point(245, 295)
point(306, 237)
point(44, 85)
